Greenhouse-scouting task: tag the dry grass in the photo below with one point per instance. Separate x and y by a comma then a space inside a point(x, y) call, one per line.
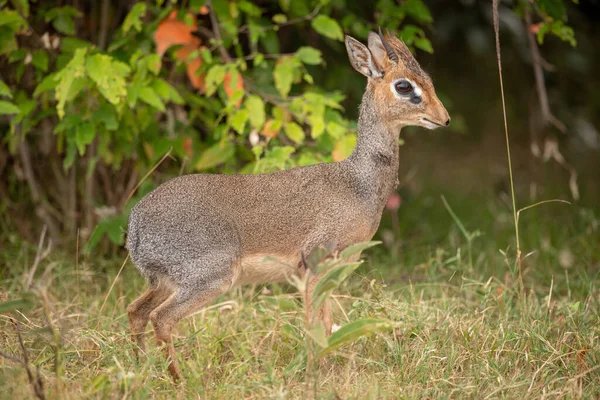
point(463, 331)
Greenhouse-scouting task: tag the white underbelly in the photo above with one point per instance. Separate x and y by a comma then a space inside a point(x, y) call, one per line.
point(266, 268)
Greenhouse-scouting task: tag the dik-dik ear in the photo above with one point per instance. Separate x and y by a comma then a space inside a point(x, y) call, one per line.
point(361, 58)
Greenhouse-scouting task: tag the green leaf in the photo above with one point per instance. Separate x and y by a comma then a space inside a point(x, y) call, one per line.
point(284, 74)
point(238, 120)
point(353, 331)
point(40, 60)
point(48, 83)
point(109, 76)
point(343, 147)
point(328, 27)
point(133, 18)
point(23, 6)
point(424, 44)
point(166, 91)
point(554, 8)
point(256, 111)
point(418, 11)
point(23, 304)
point(215, 155)
point(5, 90)
point(149, 96)
point(107, 115)
point(294, 132)
point(62, 19)
point(357, 248)
point(330, 281)
point(317, 334)
point(309, 55)
point(84, 135)
point(214, 78)
point(12, 20)
point(279, 19)
point(7, 107)
point(65, 78)
point(283, 303)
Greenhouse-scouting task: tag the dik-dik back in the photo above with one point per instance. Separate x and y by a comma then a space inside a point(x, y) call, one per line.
point(196, 236)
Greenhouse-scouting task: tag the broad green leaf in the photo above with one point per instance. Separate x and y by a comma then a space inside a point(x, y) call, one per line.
point(238, 120)
point(62, 19)
point(133, 19)
point(22, 5)
point(214, 78)
point(279, 19)
point(215, 155)
point(65, 78)
point(331, 280)
point(328, 27)
point(48, 83)
point(256, 111)
point(354, 330)
point(12, 19)
point(309, 55)
point(7, 107)
point(343, 147)
point(22, 304)
point(317, 334)
point(40, 60)
point(166, 91)
point(149, 96)
point(424, 44)
point(84, 135)
point(317, 125)
point(554, 8)
point(284, 72)
point(5, 90)
point(294, 132)
point(107, 115)
point(418, 11)
point(357, 248)
point(283, 303)
point(109, 76)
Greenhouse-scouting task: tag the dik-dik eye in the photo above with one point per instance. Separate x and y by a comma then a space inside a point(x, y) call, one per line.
point(403, 87)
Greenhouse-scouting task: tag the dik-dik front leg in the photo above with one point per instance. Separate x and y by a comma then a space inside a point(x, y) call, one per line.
point(323, 313)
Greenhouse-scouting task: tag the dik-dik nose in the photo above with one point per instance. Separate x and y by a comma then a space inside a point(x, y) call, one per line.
point(448, 122)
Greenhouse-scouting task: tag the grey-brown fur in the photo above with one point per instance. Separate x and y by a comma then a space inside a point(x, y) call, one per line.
point(196, 236)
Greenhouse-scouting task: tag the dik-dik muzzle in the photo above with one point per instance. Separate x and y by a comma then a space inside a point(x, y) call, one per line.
point(403, 91)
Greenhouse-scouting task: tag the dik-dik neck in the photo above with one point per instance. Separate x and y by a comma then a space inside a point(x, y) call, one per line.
point(375, 157)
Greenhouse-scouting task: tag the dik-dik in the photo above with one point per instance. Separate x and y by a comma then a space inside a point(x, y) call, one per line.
point(197, 236)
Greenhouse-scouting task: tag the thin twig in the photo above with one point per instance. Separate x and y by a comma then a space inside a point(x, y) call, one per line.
point(547, 116)
point(113, 283)
point(217, 33)
point(512, 184)
point(145, 176)
point(39, 256)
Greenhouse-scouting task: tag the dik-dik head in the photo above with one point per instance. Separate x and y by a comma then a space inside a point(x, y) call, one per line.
point(403, 93)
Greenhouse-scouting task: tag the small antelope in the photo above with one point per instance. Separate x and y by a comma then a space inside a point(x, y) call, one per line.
point(197, 236)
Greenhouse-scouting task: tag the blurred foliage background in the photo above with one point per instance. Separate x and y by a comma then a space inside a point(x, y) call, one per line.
point(96, 96)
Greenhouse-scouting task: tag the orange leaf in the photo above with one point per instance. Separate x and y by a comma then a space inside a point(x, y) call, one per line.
point(187, 146)
point(271, 128)
point(192, 67)
point(228, 85)
point(172, 31)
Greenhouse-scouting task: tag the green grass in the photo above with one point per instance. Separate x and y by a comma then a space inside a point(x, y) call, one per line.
point(463, 329)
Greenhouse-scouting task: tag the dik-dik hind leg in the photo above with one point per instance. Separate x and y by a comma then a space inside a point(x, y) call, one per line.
point(139, 312)
point(182, 303)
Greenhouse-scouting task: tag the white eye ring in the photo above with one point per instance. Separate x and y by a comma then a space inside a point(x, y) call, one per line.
point(416, 89)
